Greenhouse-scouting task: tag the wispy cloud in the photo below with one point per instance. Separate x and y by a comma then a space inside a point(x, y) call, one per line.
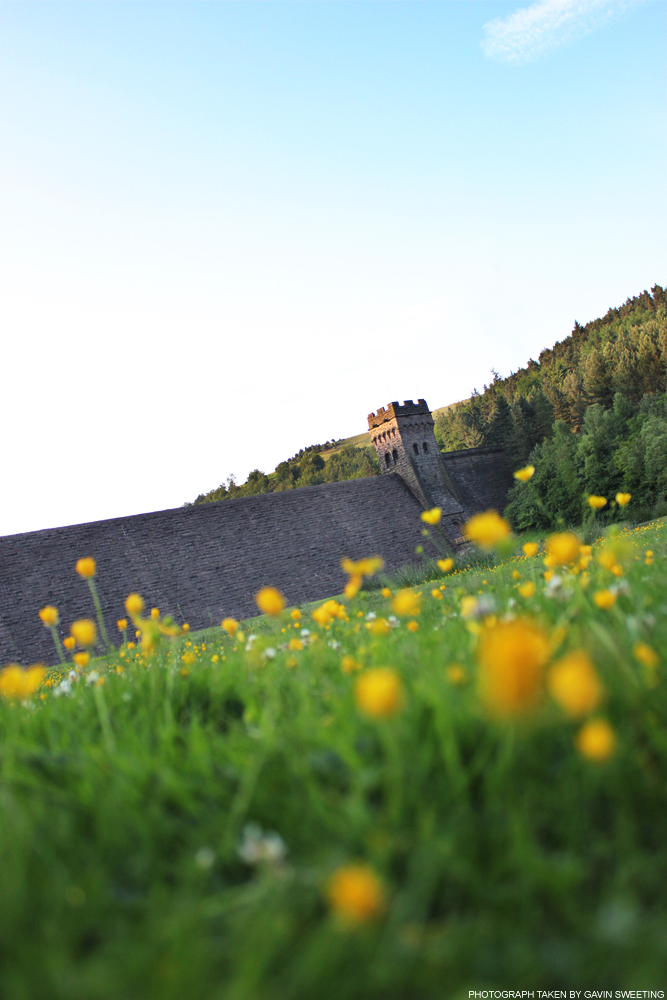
point(529, 32)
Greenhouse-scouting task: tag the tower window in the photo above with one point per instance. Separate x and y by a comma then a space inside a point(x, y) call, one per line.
point(425, 446)
point(395, 454)
point(387, 458)
point(415, 448)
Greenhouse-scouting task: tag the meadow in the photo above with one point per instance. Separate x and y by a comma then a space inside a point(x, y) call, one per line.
point(403, 792)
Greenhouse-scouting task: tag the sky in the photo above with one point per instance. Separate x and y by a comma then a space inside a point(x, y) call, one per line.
point(231, 230)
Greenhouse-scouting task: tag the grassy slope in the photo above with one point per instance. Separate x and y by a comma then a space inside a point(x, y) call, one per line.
point(509, 861)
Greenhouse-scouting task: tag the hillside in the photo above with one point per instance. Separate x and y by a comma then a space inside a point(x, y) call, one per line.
point(590, 414)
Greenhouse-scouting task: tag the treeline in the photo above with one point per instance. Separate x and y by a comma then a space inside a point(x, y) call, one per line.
point(589, 414)
point(307, 468)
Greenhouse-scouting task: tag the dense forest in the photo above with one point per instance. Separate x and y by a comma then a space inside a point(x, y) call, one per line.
point(590, 414)
point(307, 468)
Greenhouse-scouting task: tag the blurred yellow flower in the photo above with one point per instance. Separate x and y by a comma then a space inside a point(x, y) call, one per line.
point(69, 642)
point(188, 658)
point(185, 627)
point(530, 548)
point(270, 601)
point(623, 499)
point(527, 589)
point(597, 503)
point(523, 475)
point(487, 530)
point(562, 549)
point(86, 567)
point(82, 659)
point(645, 654)
point(122, 624)
point(134, 604)
point(444, 565)
point(512, 656)
point(328, 611)
point(574, 684)
point(413, 626)
point(295, 614)
point(379, 627)
point(18, 683)
point(155, 612)
point(469, 606)
point(295, 644)
point(379, 692)
point(431, 516)
point(406, 603)
point(84, 631)
point(455, 674)
point(230, 626)
point(363, 567)
point(352, 587)
point(349, 665)
point(49, 615)
point(437, 594)
point(585, 550)
point(356, 894)
point(604, 599)
point(386, 592)
point(596, 740)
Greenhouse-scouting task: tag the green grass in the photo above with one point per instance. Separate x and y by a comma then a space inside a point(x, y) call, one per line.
point(510, 862)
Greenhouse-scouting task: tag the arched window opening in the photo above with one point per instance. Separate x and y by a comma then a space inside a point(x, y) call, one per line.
point(425, 446)
point(415, 448)
point(387, 458)
point(395, 454)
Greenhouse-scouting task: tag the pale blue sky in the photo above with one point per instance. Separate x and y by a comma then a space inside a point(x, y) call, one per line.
point(230, 230)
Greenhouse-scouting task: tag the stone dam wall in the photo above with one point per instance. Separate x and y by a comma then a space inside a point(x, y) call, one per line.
point(205, 562)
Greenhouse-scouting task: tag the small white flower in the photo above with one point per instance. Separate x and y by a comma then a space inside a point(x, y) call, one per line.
point(270, 652)
point(392, 619)
point(371, 616)
point(92, 677)
point(305, 632)
point(333, 644)
point(257, 846)
point(65, 687)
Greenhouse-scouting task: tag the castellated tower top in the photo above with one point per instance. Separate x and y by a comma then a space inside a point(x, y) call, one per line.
point(405, 443)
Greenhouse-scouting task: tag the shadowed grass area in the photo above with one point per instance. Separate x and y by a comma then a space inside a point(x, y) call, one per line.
point(170, 827)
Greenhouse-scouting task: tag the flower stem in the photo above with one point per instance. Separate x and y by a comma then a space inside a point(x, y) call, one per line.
point(59, 648)
point(98, 609)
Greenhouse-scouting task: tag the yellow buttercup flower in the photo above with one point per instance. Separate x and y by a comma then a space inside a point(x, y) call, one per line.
point(326, 612)
point(230, 626)
point(134, 604)
point(295, 644)
point(527, 589)
point(645, 654)
point(155, 612)
point(356, 894)
point(444, 565)
point(82, 659)
point(379, 693)
point(469, 605)
point(16, 683)
point(69, 642)
point(523, 475)
point(86, 568)
point(487, 530)
point(596, 740)
point(413, 626)
point(562, 549)
point(49, 615)
point(623, 499)
point(530, 548)
point(437, 594)
point(512, 656)
point(597, 503)
point(185, 627)
point(386, 592)
point(431, 516)
point(295, 614)
point(270, 601)
point(84, 631)
point(122, 624)
point(352, 587)
point(604, 599)
point(362, 567)
point(406, 603)
point(574, 684)
point(379, 627)
point(349, 665)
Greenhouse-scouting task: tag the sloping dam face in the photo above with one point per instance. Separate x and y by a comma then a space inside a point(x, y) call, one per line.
point(206, 562)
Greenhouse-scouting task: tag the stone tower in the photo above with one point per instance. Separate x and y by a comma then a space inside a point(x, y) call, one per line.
point(405, 444)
